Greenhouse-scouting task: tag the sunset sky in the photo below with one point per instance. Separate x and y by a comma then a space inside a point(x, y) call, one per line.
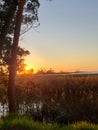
point(67, 38)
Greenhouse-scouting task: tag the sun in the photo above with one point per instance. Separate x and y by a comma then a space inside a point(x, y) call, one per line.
point(30, 69)
point(27, 68)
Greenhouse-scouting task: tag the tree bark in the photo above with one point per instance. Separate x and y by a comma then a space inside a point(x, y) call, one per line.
point(13, 62)
point(8, 21)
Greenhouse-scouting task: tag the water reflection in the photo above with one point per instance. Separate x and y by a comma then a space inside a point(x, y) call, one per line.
point(3, 109)
point(22, 108)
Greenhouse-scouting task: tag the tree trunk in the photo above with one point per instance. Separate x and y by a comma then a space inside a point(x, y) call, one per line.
point(13, 62)
point(8, 21)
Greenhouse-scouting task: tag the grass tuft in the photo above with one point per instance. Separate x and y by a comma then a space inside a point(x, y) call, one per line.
point(83, 125)
point(23, 122)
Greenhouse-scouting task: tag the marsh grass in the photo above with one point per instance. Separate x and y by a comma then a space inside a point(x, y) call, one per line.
point(84, 126)
point(13, 122)
point(60, 98)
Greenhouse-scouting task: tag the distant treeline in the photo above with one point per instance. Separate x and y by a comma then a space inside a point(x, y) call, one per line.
point(62, 98)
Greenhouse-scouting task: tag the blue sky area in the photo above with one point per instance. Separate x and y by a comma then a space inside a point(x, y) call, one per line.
point(67, 38)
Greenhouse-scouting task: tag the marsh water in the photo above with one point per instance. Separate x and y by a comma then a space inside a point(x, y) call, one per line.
point(23, 108)
point(3, 109)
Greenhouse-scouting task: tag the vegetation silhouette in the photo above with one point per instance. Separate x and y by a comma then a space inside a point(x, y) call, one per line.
point(13, 11)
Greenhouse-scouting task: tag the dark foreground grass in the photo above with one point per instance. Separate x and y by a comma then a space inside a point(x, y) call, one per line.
point(24, 123)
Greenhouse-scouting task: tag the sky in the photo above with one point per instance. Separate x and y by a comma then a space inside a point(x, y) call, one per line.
point(67, 38)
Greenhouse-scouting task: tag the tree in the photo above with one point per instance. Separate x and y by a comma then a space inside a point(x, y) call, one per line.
point(12, 65)
point(19, 17)
point(7, 12)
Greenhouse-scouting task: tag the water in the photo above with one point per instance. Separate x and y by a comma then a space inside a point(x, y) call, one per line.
point(23, 108)
point(3, 109)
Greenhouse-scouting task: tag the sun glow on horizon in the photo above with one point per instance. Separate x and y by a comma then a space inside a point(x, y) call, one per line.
point(66, 68)
point(26, 69)
point(29, 68)
point(71, 65)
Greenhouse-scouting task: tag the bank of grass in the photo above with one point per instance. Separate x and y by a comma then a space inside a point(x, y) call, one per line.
point(24, 123)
